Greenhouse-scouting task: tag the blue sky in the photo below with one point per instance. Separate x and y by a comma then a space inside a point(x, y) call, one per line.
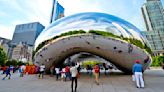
point(13, 12)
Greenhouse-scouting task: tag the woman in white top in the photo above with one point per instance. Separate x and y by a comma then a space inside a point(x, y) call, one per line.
point(41, 70)
point(57, 72)
point(74, 72)
point(63, 74)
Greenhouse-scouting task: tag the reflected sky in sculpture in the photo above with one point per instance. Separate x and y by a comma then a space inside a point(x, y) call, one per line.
point(91, 21)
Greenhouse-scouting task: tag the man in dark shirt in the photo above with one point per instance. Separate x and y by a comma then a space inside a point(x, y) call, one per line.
point(7, 73)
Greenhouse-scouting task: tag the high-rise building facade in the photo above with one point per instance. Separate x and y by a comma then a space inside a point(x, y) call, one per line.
point(22, 52)
point(153, 15)
point(57, 11)
point(27, 33)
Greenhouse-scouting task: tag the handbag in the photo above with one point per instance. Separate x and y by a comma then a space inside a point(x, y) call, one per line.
point(133, 78)
point(77, 75)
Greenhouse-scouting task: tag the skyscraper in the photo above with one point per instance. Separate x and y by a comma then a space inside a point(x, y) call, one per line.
point(153, 15)
point(27, 33)
point(57, 11)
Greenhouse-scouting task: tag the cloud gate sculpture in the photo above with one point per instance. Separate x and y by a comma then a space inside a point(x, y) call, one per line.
point(104, 35)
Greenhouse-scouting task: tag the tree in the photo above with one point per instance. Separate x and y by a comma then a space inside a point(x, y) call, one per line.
point(20, 63)
point(158, 61)
point(3, 56)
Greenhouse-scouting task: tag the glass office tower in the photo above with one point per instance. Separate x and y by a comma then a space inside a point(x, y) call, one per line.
point(57, 11)
point(153, 15)
point(27, 33)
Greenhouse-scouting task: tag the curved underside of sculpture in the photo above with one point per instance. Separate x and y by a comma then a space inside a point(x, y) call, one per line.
point(114, 50)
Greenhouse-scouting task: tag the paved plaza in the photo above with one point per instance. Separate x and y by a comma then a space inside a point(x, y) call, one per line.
point(116, 82)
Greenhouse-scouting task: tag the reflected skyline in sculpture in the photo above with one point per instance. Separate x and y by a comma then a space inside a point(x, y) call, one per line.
point(95, 33)
point(91, 21)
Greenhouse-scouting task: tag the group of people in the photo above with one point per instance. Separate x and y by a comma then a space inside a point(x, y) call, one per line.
point(61, 71)
point(72, 72)
point(7, 70)
point(22, 69)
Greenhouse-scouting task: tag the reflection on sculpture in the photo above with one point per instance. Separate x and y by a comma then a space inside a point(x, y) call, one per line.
point(84, 31)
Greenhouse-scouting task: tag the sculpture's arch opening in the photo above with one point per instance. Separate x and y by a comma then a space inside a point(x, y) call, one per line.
point(84, 57)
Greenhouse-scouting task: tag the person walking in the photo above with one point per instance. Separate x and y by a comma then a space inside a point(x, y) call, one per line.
point(74, 73)
point(96, 73)
point(7, 73)
point(137, 71)
point(41, 70)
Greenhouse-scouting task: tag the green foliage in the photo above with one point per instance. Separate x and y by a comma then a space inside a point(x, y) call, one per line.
point(158, 61)
point(91, 63)
point(103, 33)
point(20, 63)
point(58, 36)
point(11, 62)
point(139, 44)
point(132, 41)
point(3, 56)
point(148, 49)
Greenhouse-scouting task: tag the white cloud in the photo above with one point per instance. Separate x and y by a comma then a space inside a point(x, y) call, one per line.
point(3, 14)
point(14, 4)
point(39, 11)
point(5, 31)
point(27, 11)
point(78, 6)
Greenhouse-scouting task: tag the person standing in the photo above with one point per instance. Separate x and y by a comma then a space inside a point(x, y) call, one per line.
point(74, 73)
point(67, 73)
point(41, 70)
point(26, 71)
point(63, 74)
point(137, 71)
point(96, 73)
point(57, 69)
point(7, 73)
point(21, 70)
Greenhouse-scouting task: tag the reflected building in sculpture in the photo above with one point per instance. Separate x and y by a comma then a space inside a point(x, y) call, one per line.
point(104, 35)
